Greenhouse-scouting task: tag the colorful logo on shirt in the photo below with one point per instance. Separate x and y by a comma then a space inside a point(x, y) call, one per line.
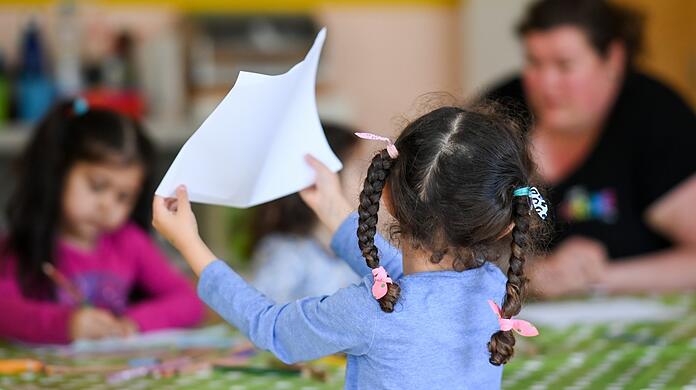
point(581, 205)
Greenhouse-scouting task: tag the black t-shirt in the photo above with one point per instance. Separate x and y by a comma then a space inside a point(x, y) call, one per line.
point(647, 147)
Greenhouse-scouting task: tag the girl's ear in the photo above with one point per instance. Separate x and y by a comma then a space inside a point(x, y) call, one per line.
point(387, 198)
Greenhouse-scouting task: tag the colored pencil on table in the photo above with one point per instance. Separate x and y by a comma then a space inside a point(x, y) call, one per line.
point(128, 374)
point(19, 366)
point(164, 368)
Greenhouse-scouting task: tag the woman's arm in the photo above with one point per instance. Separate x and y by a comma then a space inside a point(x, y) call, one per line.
point(674, 216)
point(579, 265)
point(666, 271)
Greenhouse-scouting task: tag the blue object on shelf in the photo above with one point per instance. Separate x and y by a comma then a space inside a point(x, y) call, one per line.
point(35, 90)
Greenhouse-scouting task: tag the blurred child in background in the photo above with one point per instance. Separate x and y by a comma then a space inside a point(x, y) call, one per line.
point(292, 256)
point(77, 252)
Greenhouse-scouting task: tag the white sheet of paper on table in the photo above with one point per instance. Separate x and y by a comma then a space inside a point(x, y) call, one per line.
point(251, 148)
point(609, 310)
point(216, 336)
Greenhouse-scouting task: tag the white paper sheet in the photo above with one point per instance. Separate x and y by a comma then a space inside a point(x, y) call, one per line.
point(614, 310)
point(251, 148)
point(216, 336)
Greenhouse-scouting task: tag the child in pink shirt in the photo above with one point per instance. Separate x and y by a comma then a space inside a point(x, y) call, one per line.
point(79, 212)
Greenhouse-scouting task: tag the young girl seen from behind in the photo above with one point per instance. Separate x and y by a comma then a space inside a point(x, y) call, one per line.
point(77, 261)
point(458, 183)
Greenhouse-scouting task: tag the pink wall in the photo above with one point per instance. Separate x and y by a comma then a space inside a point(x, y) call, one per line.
point(380, 59)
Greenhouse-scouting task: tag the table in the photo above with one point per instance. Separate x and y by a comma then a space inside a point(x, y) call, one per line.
point(644, 355)
point(253, 369)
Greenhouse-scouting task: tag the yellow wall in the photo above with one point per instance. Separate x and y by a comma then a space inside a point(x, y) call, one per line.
point(670, 42)
point(245, 5)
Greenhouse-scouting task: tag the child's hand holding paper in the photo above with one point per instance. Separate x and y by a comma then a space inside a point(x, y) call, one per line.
point(326, 197)
point(251, 149)
point(174, 220)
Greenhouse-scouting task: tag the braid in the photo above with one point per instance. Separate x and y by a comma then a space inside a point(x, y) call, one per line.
point(502, 343)
point(370, 195)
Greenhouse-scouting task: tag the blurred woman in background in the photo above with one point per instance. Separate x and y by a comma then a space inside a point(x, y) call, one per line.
point(616, 148)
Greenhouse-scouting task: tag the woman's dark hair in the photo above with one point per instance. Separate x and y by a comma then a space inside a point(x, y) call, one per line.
point(452, 194)
point(62, 138)
point(290, 215)
point(602, 21)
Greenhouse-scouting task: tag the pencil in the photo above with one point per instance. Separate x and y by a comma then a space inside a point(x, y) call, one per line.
point(61, 281)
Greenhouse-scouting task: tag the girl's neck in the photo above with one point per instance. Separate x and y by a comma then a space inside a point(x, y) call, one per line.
point(417, 260)
point(77, 241)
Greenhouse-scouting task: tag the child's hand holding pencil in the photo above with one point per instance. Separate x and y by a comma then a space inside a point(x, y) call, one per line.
point(94, 323)
point(89, 322)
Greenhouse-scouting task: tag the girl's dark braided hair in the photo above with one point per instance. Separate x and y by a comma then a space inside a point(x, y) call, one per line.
point(452, 192)
point(370, 195)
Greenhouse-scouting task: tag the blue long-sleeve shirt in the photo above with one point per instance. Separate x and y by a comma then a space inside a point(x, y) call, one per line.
point(436, 337)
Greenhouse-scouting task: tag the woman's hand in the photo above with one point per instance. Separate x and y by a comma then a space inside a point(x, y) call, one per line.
point(174, 220)
point(577, 265)
point(325, 197)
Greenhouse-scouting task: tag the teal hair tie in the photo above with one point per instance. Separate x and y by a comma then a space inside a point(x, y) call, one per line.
point(80, 106)
point(536, 201)
point(522, 191)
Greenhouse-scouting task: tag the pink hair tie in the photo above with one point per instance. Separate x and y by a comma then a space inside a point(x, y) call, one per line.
point(379, 288)
point(391, 148)
point(522, 327)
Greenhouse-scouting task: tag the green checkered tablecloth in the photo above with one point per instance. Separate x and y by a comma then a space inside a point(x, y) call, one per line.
point(643, 355)
point(210, 379)
point(215, 380)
